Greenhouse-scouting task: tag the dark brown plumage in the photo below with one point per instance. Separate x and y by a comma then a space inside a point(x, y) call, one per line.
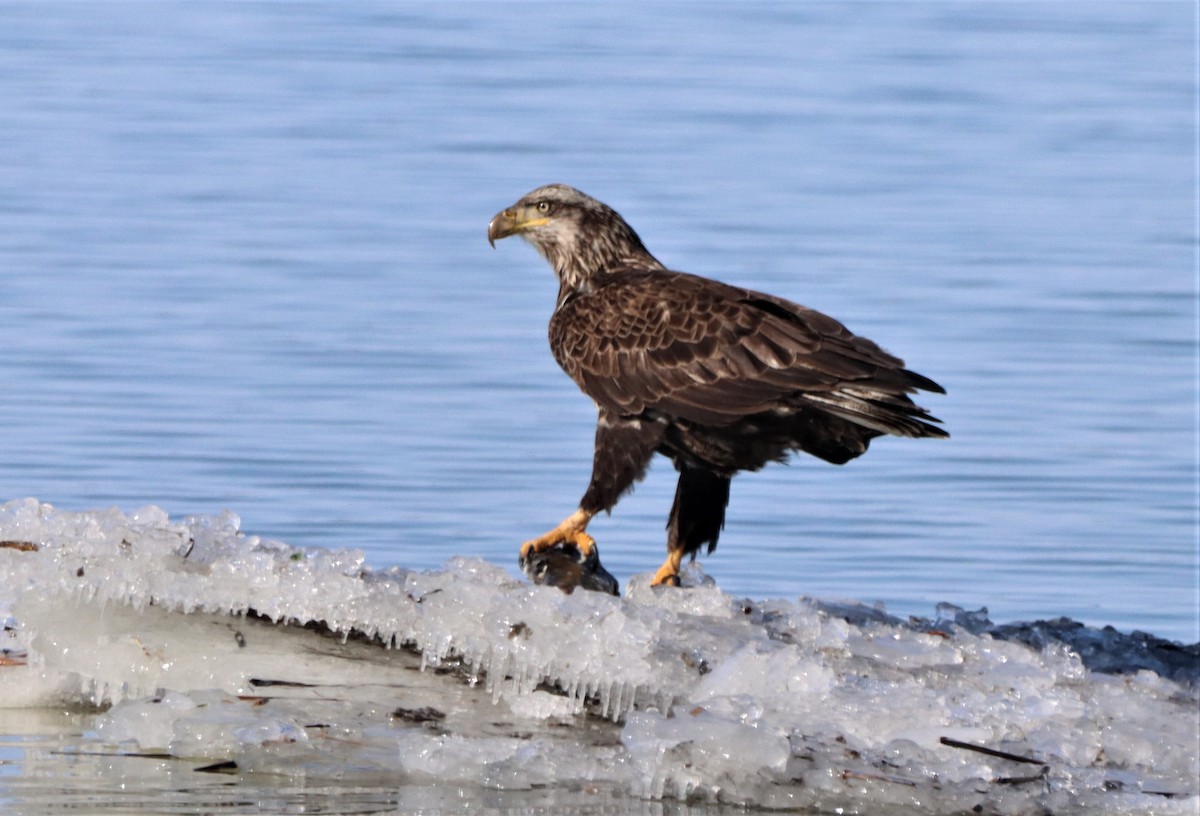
point(717, 378)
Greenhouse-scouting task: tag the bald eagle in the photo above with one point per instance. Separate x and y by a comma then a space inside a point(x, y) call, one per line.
point(717, 378)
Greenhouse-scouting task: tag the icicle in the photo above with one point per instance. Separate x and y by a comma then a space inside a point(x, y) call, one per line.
point(496, 672)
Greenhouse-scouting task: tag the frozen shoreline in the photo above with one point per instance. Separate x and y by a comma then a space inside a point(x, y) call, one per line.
point(692, 694)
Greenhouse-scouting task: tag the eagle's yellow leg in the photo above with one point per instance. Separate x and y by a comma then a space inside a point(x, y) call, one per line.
point(572, 530)
point(668, 573)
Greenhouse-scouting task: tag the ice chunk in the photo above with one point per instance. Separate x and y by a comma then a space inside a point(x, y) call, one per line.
point(700, 752)
point(148, 723)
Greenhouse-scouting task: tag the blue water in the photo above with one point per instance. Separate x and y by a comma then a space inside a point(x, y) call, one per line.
point(243, 266)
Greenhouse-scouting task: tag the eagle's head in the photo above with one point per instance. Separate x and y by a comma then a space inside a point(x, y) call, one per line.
point(578, 236)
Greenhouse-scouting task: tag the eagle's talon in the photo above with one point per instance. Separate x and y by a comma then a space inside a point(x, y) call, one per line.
point(584, 544)
point(570, 532)
point(668, 573)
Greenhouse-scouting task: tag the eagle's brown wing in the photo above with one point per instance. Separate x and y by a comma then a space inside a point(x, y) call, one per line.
point(709, 353)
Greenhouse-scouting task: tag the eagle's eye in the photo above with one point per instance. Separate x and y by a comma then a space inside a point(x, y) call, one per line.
point(543, 207)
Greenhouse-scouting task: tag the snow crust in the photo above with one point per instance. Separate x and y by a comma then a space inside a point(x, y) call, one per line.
point(211, 645)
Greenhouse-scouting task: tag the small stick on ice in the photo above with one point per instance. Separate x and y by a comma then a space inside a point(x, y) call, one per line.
point(983, 749)
point(895, 780)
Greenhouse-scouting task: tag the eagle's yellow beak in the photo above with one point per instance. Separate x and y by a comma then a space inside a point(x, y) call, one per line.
point(514, 220)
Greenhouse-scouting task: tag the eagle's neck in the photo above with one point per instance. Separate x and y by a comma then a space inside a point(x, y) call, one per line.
point(580, 263)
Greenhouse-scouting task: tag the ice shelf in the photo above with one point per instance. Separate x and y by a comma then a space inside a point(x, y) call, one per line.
point(226, 650)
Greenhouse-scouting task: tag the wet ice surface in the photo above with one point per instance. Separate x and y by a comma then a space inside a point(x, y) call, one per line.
point(214, 655)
